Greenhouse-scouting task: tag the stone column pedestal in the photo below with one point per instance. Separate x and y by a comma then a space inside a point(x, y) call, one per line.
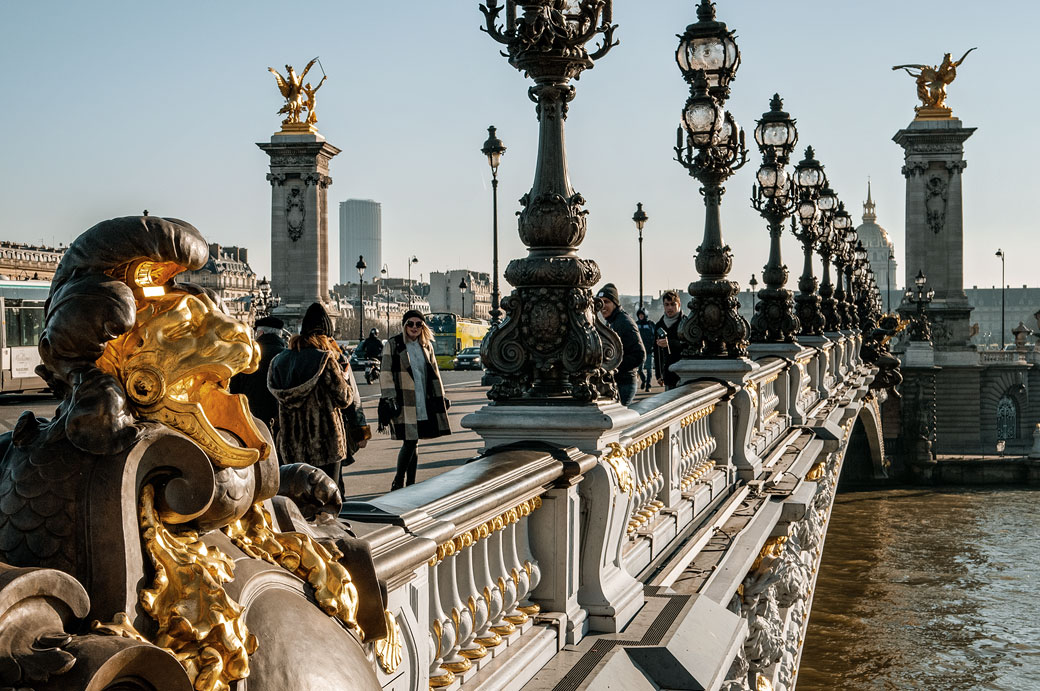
point(299, 180)
point(934, 163)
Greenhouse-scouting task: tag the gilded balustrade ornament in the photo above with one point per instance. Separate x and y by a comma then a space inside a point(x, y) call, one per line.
point(931, 82)
point(298, 96)
point(617, 459)
point(697, 415)
point(484, 530)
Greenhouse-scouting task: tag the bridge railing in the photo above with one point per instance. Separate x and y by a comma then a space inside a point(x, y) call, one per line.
point(528, 547)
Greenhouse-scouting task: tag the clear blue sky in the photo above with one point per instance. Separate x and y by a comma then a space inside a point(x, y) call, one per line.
point(114, 107)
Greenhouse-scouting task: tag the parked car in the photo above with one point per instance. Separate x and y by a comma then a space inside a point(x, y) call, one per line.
point(468, 358)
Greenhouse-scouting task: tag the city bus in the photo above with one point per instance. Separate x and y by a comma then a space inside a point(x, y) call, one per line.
point(21, 313)
point(452, 333)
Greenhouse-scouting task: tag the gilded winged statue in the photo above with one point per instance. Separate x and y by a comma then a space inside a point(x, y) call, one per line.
point(292, 89)
point(932, 80)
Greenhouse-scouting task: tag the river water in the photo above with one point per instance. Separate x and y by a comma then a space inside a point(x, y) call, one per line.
point(928, 589)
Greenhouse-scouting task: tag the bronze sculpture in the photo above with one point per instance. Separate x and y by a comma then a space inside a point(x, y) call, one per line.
point(293, 89)
point(142, 534)
point(931, 85)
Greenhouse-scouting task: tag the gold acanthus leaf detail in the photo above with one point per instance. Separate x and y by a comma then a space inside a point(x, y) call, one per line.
point(198, 621)
point(302, 556)
point(616, 459)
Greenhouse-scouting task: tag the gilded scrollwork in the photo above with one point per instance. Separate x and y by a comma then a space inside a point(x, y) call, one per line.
point(617, 459)
point(302, 556)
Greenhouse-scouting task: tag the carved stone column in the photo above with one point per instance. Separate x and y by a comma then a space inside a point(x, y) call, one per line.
point(934, 162)
point(299, 180)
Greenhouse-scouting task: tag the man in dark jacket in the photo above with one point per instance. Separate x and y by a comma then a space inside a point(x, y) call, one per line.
point(372, 347)
point(261, 402)
point(647, 331)
point(668, 345)
point(632, 352)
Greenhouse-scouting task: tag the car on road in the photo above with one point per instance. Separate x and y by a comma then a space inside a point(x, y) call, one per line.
point(468, 358)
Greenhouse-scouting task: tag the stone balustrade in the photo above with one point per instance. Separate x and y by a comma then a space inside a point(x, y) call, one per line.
point(493, 567)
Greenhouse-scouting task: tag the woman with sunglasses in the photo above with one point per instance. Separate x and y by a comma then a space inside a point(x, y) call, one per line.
point(413, 401)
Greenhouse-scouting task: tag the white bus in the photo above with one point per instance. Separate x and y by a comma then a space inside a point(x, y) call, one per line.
point(21, 313)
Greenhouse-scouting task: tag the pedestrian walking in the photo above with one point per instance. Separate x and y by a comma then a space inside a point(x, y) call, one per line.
point(647, 333)
point(668, 345)
point(412, 402)
point(312, 391)
point(270, 336)
point(632, 352)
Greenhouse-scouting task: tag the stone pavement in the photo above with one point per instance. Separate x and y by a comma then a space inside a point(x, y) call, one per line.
point(373, 471)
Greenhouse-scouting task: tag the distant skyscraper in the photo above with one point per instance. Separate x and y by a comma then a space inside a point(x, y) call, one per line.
point(360, 233)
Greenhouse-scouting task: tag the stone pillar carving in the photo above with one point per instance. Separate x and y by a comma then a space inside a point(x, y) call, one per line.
point(299, 180)
point(934, 162)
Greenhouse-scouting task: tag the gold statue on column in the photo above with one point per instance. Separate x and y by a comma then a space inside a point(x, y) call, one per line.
point(298, 96)
point(931, 86)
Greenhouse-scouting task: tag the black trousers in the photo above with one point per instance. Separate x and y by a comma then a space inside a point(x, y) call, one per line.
point(408, 456)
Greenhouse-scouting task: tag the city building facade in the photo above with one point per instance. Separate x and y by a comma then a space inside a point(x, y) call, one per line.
point(28, 262)
point(360, 235)
point(227, 274)
point(473, 300)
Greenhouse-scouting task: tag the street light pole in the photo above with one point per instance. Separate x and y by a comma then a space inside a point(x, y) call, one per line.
point(754, 284)
point(640, 219)
point(1000, 253)
point(386, 274)
point(411, 260)
point(493, 149)
point(462, 292)
point(888, 280)
point(361, 266)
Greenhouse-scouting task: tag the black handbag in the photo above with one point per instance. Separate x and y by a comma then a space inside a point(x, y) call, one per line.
point(387, 411)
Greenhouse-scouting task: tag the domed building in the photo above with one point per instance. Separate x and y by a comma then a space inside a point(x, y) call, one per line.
point(880, 254)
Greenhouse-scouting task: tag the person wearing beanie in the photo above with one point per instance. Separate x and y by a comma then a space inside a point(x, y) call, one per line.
point(632, 352)
point(262, 404)
point(412, 402)
point(646, 335)
point(315, 393)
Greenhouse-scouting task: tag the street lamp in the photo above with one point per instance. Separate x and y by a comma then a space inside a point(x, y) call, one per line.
point(919, 330)
point(462, 292)
point(360, 266)
point(493, 149)
point(411, 260)
point(774, 197)
point(841, 225)
point(263, 300)
point(1000, 253)
point(385, 271)
point(560, 360)
point(810, 179)
point(708, 58)
point(888, 279)
point(754, 284)
point(640, 220)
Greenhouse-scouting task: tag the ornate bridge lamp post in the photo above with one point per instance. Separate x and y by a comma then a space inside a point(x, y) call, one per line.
point(774, 197)
point(827, 203)
point(714, 148)
point(840, 226)
point(494, 148)
point(809, 177)
point(640, 218)
point(919, 329)
point(859, 262)
point(550, 346)
point(263, 300)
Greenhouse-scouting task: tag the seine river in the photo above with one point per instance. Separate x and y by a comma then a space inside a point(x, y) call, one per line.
point(928, 589)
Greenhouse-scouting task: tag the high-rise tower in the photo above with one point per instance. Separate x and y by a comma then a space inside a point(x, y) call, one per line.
point(360, 234)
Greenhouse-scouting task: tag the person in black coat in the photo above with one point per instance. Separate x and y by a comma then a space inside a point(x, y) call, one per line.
point(668, 345)
point(372, 347)
point(632, 352)
point(262, 404)
point(647, 332)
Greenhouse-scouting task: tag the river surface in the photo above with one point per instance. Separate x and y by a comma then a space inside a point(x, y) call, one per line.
point(928, 589)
